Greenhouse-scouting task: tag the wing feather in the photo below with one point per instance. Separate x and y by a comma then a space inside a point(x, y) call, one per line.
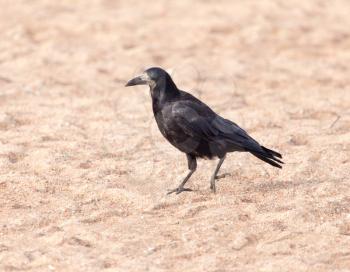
point(192, 121)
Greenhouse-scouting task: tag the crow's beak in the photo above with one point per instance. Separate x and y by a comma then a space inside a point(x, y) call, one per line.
point(139, 80)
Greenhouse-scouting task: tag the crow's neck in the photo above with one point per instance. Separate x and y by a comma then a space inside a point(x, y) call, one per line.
point(164, 91)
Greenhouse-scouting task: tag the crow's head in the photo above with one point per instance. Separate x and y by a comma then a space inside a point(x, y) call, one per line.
point(153, 76)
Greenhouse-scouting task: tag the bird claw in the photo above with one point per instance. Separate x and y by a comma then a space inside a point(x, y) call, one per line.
point(213, 187)
point(179, 190)
point(222, 176)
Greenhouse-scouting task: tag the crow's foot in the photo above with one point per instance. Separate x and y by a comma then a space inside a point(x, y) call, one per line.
point(222, 176)
point(179, 190)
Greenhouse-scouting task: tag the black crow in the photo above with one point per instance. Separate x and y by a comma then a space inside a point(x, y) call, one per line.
point(194, 128)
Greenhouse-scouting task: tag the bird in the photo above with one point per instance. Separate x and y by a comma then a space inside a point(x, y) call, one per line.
point(195, 129)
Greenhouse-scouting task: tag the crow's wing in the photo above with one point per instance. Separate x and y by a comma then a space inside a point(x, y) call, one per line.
point(198, 120)
point(234, 134)
point(194, 119)
point(237, 137)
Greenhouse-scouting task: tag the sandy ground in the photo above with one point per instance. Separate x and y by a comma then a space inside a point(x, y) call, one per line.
point(84, 170)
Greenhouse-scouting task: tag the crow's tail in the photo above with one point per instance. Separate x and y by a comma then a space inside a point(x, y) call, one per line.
point(269, 156)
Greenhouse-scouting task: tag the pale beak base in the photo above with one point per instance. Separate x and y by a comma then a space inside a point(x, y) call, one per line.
point(139, 80)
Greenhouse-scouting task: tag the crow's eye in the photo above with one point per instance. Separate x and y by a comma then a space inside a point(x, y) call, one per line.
point(153, 77)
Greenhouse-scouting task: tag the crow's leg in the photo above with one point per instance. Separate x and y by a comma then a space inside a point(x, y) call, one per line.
point(192, 166)
point(214, 176)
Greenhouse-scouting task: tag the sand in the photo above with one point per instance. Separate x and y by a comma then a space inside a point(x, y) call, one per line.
point(84, 170)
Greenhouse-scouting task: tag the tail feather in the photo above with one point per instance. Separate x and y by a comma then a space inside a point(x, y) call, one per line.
point(274, 153)
point(269, 161)
point(269, 156)
point(237, 139)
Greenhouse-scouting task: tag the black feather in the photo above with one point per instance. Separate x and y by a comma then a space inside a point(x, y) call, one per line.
point(269, 161)
point(274, 153)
